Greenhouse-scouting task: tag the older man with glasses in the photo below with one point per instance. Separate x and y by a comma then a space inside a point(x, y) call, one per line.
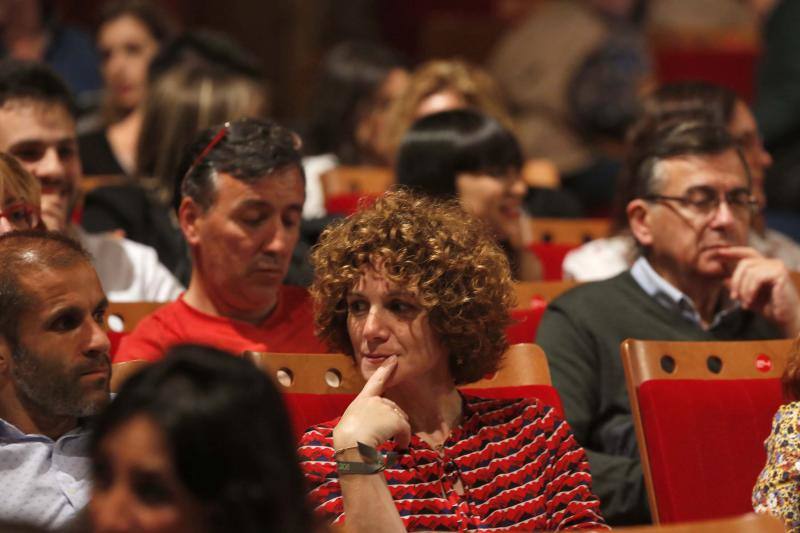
point(696, 280)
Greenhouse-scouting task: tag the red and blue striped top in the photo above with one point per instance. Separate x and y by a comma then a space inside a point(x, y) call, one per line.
point(518, 462)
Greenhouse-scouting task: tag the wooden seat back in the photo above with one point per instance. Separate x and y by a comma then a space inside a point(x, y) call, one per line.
point(120, 372)
point(527, 291)
point(353, 179)
point(569, 230)
point(701, 412)
point(747, 523)
point(319, 387)
point(122, 317)
point(523, 364)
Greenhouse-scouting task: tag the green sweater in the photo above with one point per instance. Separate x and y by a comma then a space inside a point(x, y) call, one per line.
point(581, 332)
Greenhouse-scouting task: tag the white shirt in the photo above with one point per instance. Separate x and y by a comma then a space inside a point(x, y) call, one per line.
point(42, 482)
point(315, 166)
point(129, 271)
point(600, 259)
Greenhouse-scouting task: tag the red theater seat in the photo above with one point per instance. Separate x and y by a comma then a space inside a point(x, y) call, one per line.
point(319, 387)
point(706, 442)
point(551, 255)
point(526, 322)
point(344, 187)
point(348, 203)
point(702, 411)
point(122, 318)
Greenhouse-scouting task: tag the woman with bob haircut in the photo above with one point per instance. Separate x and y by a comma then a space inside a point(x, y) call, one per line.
point(777, 489)
point(19, 197)
point(419, 294)
point(198, 442)
point(466, 154)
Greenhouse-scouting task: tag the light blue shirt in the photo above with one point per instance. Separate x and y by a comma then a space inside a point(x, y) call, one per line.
point(42, 482)
point(672, 298)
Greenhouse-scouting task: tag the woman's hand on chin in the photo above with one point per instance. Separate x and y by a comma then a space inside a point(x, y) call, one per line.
point(371, 418)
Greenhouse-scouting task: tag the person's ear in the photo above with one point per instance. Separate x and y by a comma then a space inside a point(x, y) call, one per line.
point(640, 221)
point(190, 217)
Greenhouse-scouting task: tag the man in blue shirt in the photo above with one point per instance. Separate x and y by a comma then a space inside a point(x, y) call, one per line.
point(54, 374)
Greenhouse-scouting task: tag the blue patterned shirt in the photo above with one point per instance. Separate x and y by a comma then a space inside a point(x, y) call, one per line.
point(43, 482)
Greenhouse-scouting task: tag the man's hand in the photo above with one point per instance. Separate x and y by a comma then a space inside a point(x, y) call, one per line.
point(371, 418)
point(764, 286)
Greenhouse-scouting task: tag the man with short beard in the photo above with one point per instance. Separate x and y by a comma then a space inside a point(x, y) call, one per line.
point(54, 374)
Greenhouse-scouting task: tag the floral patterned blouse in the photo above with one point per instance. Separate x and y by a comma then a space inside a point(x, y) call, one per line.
point(777, 489)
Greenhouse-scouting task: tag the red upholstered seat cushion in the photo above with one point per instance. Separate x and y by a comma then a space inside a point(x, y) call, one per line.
point(305, 410)
point(348, 203)
point(552, 257)
point(705, 443)
point(525, 322)
point(115, 338)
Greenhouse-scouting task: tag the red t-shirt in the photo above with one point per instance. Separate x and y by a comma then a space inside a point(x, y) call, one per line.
point(288, 329)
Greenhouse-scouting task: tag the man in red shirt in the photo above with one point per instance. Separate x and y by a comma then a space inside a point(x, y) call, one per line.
point(240, 213)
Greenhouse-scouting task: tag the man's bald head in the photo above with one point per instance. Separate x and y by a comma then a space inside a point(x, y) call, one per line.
point(22, 255)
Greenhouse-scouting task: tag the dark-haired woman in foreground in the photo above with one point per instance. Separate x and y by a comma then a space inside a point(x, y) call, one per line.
point(468, 155)
point(198, 442)
point(418, 293)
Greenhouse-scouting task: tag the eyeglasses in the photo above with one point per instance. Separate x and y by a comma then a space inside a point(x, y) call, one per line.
point(705, 201)
point(21, 216)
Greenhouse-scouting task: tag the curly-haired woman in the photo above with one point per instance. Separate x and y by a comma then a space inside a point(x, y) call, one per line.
point(418, 293)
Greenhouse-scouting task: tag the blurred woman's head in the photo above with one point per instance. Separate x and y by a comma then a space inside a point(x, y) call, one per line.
point(466, 154)
point(357, 83)
point(197, 442)
point(129, 35)
point(19, 196)
point(198, 81)
point(441, 86)
point(441, 271)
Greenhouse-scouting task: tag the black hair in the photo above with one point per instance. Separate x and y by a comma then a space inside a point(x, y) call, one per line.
point(440, 146)
point(31, 80)
point(22, 252)
point(350, 75)
point(681, 136)
point(671, 103)
point(228, 434)
point(158, 23)
point(249, 149)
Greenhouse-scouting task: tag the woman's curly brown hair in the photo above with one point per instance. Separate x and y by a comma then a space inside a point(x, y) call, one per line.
point(434, 248)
